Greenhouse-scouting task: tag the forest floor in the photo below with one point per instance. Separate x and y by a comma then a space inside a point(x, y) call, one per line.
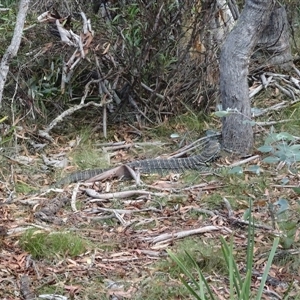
point(108, 240)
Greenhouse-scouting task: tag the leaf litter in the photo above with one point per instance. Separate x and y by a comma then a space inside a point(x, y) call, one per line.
point(129, 227)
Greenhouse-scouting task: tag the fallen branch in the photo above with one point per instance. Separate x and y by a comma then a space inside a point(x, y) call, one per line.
point(244, 161)
point(81, 43)
point(122, 195)
point(71, 110)
point(239, 221)
point(74, 196)
point(277, 107)
point(125, 259)
point(13, 48)
point(198, 144)
point(168, 237)
point(124, 211)
point(285, 186)
point(270, 123)
point(204, 211)
point(122, 171)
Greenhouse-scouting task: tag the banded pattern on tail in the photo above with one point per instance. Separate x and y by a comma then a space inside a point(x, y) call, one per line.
point(151, 166)
point(196, 162)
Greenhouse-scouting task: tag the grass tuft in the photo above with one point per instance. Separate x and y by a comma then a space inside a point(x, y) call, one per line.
point(50, 245)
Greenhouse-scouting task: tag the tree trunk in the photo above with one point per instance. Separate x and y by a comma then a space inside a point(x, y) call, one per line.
point(274, 40)
point(237, 130)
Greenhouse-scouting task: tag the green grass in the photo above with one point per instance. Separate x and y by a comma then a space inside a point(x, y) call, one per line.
point(207, 254)
point(86, 155)
point(194, 123)
point(187, 126)
point(52, 245)
point(24, 188)
point(51, 289)
point(88, 158)
point(292, 126)
point(163, 282)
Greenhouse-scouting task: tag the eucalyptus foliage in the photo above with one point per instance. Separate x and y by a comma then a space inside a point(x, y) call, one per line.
point(281, 147)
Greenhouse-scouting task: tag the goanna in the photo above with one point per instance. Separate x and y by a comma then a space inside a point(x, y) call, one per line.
point(160, 166)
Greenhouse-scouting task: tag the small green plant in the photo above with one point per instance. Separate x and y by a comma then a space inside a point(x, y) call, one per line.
point(239, 285)
point(7, 23)
point(281, 147)
point(229, 111)
point(44, 85)
point(282, 215)
point(133, 32)
point(48, 245)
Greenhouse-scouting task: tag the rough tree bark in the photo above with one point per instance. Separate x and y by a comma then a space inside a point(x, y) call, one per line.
point(13, 48)
point(275, 39)
point(237, 133)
